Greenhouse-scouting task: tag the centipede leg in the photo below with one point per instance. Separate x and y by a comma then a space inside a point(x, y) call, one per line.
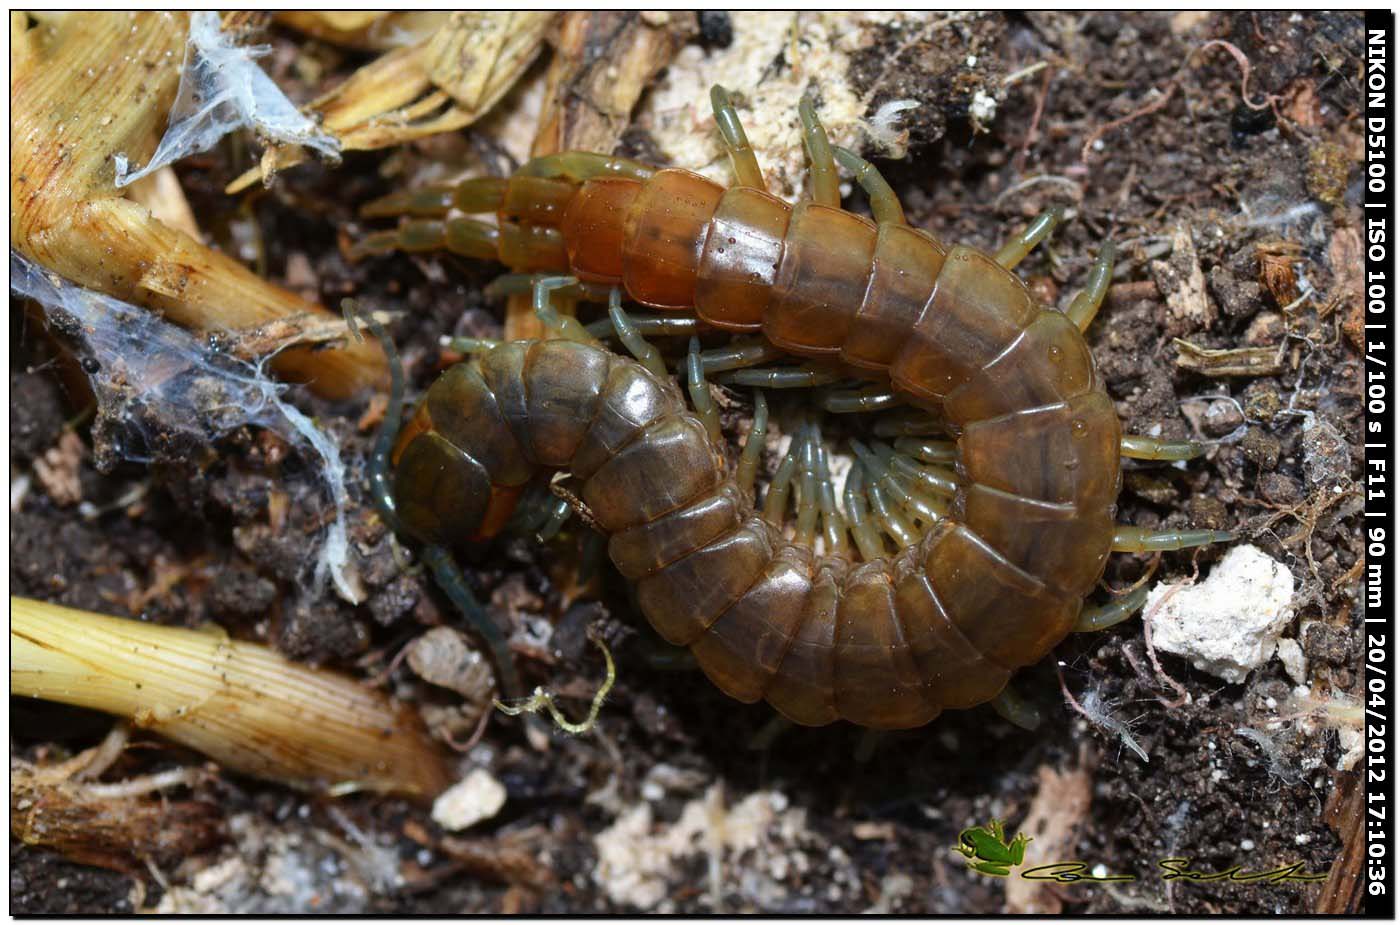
point(753, 444)
point(1135, 447)
point(931, 451)
point(888, 514)
point(563, 326)
point(650, 326)
point(559, 512)
point(807, 504)
point(867, 538)
point(1101, 617)
point(508, 284)
point(1086, 304)
point(833, 523)
point(736, 141)
point(637, 345)
point(907, 423)
point(481, 194)
point(740, 355)
point(1016, 709)
point(775, 501)
point(700, 397)
point(826, 185)
point(578, 166)
point(794, 377)
point(439, 561)
point(884, 204)
point(1140, 539)
point(463, 236)
point(898, 485)
point(1015, 250)
point(860, 400)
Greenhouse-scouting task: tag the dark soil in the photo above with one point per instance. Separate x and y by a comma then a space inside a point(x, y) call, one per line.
point(1226, 173)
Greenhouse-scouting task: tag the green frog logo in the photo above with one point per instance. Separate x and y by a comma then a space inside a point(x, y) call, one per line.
point(987, 850)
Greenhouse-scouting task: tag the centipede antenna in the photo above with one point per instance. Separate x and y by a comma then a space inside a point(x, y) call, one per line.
point(469, 344)
point(449, 578)
point(867, 538)
point(1101, 617)
point(780, 377)
point(740, 355)
point(1086, 304)
point(1140, 539)
point(775, 501)
point(700, 395)
point(463, 236)
point(1015, 250)
point(884, 204)
point(378, 467)
point(1016, 710)
point(649, 326)
point(753, 444)
point(736, 142)
point(637, 345)
point(833, 524)
point(1136, 447)
point(939, 452)
point(826, 185)
point(559, 512)
point(860, 400)
point(807, 506)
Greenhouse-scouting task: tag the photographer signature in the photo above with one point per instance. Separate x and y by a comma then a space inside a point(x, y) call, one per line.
point(989, 852)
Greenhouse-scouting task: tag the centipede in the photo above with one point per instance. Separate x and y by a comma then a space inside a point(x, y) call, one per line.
point(969, 531)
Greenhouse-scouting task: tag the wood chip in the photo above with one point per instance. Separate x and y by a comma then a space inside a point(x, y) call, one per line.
point(1239, 361)
point(1052, 823)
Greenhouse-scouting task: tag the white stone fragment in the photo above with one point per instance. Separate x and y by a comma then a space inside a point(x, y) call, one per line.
point(476, 797)
point(1230, 622)
point(1294, 661)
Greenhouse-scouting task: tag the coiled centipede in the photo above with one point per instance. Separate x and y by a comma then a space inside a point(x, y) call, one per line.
point(1010, 539)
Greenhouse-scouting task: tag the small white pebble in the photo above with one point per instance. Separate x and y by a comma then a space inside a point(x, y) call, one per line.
point(1247, 844)
point(1302, 839)
point(1100, 871)
point(476, 797)
point(652, 791)
point(1271, 703)
point(971, 60)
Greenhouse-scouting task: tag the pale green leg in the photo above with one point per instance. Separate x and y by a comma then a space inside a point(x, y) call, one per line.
point(562, 326)
point(807, 505)
point(1140, 539)
point(783, 377)
point(1086, 304)
point(700, 396)
point(753, 445)
point(1135, 447)
point(860, 400)
point(884, 204)
point(636, 345)
point(775, 502)
point(1101, 617)
point(736, 142)
point(833, 524)
point(1016, 710)
point(1015, 250)
point(867, 538)
point(930, 451)
point(826, 185)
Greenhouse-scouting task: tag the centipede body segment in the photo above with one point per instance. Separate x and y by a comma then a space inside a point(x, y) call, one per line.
point(991, 572)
